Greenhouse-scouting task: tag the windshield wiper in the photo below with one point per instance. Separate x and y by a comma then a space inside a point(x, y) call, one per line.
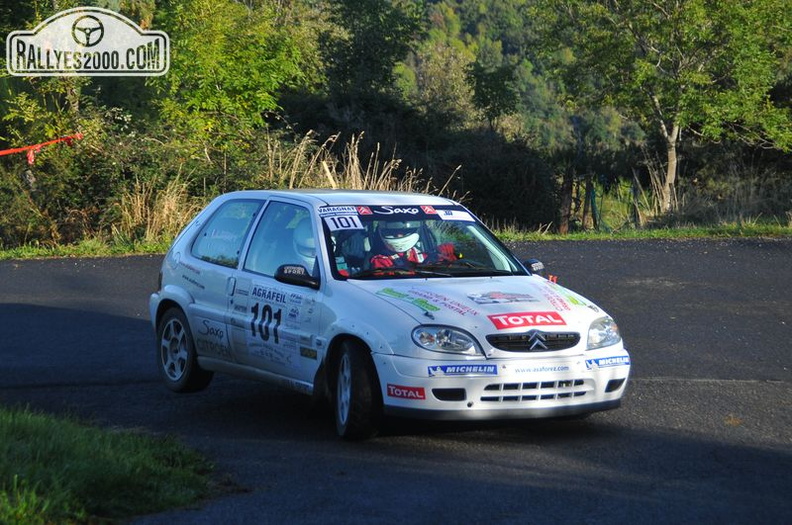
point(397, 272)
point(469, 267)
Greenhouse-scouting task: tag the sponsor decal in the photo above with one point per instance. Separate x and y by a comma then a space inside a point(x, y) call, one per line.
point(211, 329)
point(268, 294)
point(559, 296)
point(394, 210)
point(429, 210)
point(364, 210)
point(294, 269)
point(309, 353)
point(406, 392)
point(87, 41)
point(501, 297)
point(273, 321)
point(420, 303)
point(463, 370)
point(606, 362)
point(210, 338)
point(193, 269)
point(455, 215)
point(522, 319)
point(429, 301)
point(556, 301)
point(541, 369)
point(443, 301)
point(193, 282)
point(326, 211)
point(207, 347)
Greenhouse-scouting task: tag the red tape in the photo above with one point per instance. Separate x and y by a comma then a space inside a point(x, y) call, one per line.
point(35, 148)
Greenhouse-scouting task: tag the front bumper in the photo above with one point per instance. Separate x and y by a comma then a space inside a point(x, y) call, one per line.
point(503, 388)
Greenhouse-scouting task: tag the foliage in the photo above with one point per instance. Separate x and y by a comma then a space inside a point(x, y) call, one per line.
point(704, 67)
point(373, 35)
point(227, 65)
point(523, 107)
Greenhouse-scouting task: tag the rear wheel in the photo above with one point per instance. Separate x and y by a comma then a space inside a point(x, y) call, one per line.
point(358, 401)
point(176, 357)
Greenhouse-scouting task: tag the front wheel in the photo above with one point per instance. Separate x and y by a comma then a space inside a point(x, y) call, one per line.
point(358, 401)
point(176, 357)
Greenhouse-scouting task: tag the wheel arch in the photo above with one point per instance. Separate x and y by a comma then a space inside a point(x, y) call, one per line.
point(172, 297)
point(325, 376)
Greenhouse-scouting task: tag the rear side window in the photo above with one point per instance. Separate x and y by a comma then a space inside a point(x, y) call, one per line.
point(221, 238)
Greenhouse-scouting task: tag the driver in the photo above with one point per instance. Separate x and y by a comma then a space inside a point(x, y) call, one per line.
point(400, 243)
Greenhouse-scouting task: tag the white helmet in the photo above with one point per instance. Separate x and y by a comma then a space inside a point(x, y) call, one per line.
point(399, 236)
point(304, 243)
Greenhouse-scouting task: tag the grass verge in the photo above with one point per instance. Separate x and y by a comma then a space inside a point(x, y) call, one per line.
point(87, 248)
point(100, 248)
point(692, 232)
point(55, 470)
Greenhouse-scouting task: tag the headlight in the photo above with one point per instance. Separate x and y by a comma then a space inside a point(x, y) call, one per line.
point(603, 332)
point(445, 339)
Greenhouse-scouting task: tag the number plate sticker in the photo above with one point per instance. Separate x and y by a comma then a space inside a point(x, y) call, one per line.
point(275, 317)
point(343, 222)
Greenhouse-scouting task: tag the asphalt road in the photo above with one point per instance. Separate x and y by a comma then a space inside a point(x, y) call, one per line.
point(704, 434)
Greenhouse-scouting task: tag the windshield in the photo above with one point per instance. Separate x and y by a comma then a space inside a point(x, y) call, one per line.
point(387, 242)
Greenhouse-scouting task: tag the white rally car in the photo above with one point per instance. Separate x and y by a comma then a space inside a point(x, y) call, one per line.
point(383, 303)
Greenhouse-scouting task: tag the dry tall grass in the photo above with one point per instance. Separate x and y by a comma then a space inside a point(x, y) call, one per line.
point(147, 213)
point(150, 211)
point(307, 164)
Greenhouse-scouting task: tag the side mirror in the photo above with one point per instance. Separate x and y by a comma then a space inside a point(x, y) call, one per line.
point(296, 275)
point(535, 266)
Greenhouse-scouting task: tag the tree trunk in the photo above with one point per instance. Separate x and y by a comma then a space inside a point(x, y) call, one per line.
point(566, 200)
point(667, 190)
point(667, 186)
point(589, 219)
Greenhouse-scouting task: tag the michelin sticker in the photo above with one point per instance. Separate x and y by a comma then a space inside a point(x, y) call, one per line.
point(463, 370)
point(607, 362)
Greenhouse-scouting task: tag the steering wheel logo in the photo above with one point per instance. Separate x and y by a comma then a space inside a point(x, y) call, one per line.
point(87, 31)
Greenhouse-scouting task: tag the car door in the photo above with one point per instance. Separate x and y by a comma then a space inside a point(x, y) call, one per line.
point(274, 324)
point(209, 274)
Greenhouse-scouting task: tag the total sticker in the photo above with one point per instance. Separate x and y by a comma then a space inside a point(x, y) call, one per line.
point(521, 319)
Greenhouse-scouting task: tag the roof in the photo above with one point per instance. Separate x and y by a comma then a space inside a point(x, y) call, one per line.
point(329, 197)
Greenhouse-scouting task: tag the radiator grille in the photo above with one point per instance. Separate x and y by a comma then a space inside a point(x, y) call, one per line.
point(533, 391)
point(534, 341)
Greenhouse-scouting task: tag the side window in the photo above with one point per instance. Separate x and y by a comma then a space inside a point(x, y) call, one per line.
point(284, 236)
point(221, 238)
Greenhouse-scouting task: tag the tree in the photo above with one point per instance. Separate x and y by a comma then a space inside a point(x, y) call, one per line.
point(706, 67)
point(493, 83)
point(374, 36)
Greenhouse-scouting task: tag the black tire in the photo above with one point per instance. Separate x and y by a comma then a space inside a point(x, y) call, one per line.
point(357, 399)
point(176, 357)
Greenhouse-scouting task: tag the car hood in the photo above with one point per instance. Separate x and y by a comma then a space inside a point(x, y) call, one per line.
point(488, 304)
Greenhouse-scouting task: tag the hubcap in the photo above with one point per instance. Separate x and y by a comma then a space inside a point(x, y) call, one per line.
point(344, 389)
point(173, 350)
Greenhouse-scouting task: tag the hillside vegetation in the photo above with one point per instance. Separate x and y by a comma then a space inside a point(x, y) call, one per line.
point(541, 115)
